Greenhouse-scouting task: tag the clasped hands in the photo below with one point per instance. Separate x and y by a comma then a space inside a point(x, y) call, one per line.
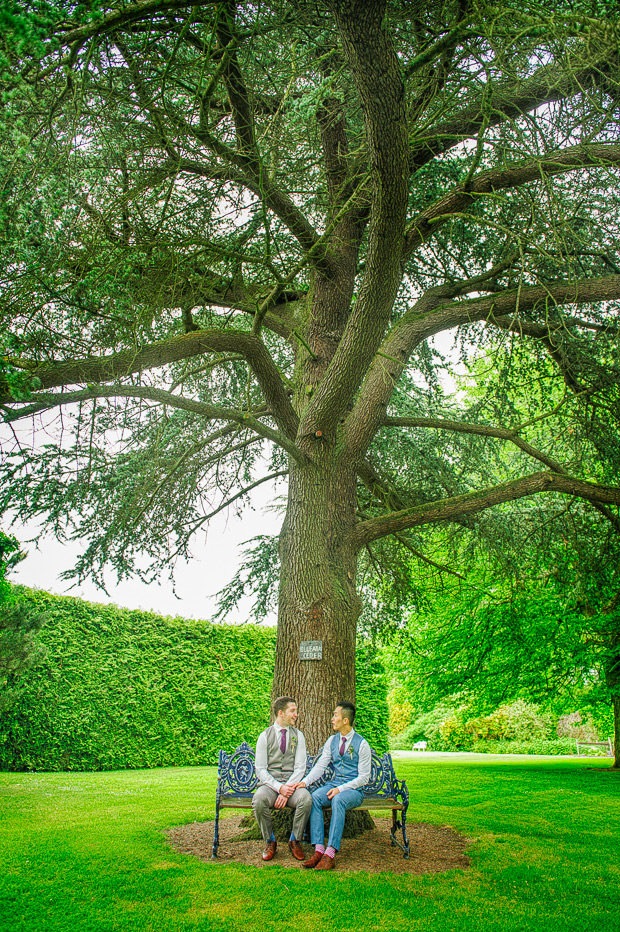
point(301, 786)
point(286, 791)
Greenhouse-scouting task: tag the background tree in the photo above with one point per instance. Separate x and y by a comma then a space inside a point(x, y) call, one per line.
point(522, 606)
point(230, 232)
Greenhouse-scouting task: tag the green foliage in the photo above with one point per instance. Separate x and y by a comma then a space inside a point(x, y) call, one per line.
point(20, 648)
point(259, 569)
point(519, 727)
point(424, 726)
point(9, 555)
point(520, 721)
point(546, 746)
point(124, 689)
point(400, 712)
point(371, 696)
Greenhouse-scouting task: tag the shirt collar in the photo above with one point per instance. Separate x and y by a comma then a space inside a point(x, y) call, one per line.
point(278, 728)
point(348, 737)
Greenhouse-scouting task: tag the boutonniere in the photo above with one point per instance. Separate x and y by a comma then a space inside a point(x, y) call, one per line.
point(350, 751)
point(293, 742)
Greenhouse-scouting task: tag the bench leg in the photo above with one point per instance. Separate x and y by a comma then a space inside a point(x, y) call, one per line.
point(399, 824)
point(216, 837)
point(405, 839)
point(396, 824)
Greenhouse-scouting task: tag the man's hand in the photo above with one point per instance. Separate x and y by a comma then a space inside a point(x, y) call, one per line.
point(287, 789)
point(280, 802)
point(333, 792)
point(297, 786)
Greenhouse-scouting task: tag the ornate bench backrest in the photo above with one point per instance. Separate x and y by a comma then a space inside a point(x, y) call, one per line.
point(382, 777)
point(236, 774)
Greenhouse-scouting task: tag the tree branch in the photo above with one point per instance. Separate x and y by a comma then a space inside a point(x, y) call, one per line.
point(249, 488)
point(238, 96)
point(464, 195)
point(498, 103)
point(162, 397)
point(155, 355)
point(483, 430)
point(375, 67)
point(115, 19)
point(426, 318)
point(471, 503)
point(275, 199)
point(246, 161)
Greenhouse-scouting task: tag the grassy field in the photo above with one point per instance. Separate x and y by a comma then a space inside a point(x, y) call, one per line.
point(86, 852)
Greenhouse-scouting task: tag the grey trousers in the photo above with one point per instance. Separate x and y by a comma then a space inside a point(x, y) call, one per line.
point(262, 804)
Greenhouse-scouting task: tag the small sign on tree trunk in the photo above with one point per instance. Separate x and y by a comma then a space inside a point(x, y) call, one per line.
point(311, 650)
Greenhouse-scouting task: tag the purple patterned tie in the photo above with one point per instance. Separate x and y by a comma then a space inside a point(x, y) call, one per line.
point(342, 744)
point(283, 740)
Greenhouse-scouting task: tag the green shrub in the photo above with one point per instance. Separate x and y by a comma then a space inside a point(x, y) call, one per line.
point(123, 689)
point(520, 720)
point(517, 728)
point(424, 726)
point(454, 731)
point(537, 746)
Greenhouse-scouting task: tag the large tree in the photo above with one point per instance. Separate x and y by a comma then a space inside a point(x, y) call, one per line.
point(230, 233)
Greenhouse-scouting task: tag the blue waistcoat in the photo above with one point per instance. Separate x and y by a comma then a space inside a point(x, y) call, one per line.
point(346, 768)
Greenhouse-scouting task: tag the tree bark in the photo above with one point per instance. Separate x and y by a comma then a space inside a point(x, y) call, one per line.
point(318, 600)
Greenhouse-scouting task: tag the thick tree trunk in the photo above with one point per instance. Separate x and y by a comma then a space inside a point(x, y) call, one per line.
point(318, 601)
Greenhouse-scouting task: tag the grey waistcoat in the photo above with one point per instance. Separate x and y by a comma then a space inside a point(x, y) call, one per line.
point(280, 765)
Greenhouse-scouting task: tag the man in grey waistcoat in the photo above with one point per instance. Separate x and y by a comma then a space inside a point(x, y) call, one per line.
point(280, 764)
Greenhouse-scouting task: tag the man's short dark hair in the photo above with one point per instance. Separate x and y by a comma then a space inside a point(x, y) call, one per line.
point(281, 703)
point(348, 711)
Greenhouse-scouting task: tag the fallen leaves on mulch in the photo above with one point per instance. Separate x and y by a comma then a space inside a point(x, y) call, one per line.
point(434, 848)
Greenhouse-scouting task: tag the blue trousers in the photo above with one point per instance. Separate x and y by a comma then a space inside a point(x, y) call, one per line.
point(347, 799)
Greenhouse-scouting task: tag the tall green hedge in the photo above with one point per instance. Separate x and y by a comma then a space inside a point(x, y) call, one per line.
point(124, 689)
point(371, 690)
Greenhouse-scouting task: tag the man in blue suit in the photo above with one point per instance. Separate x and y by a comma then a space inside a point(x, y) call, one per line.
point(351, 758)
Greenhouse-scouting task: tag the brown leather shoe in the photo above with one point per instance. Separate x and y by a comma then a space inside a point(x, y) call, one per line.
point(314, 860)
point(270, 850)
point(296, 850)
point(326, 864)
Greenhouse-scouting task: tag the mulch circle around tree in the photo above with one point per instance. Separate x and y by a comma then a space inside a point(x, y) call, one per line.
point(434, 848)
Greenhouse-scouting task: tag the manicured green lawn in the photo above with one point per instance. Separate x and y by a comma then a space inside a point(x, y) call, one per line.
point(86, 852)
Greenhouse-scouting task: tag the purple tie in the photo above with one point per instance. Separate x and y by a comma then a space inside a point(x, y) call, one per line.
point(283, 740)
point(342, 744)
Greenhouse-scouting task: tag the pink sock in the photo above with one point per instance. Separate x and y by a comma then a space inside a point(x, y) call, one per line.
point(320, 849)
point(330, 852)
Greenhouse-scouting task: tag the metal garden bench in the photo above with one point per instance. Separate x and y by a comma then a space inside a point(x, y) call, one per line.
point(237, 781)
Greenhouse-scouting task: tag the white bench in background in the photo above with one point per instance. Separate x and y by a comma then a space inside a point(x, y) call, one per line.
point(606, 746)
point(420, 746)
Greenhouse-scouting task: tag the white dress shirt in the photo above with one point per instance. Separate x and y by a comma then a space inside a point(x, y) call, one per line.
point(363, 768)
point(261, 758)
